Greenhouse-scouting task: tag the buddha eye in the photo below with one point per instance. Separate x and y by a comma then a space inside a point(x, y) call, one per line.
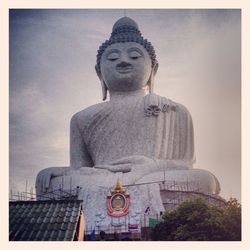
point(134, 54)
point(113, 56)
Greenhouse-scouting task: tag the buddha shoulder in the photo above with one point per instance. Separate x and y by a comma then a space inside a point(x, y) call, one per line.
point(181, 110)
point(87, 114)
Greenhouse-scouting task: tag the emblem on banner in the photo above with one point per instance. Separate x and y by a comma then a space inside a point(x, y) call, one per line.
point(118, 201)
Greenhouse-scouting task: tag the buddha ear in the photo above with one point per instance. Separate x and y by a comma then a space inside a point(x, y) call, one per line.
point(104, 86)
point(151, 78)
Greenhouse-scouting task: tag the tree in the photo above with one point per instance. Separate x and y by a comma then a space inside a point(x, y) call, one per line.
point(232, 219)
point(198, 220)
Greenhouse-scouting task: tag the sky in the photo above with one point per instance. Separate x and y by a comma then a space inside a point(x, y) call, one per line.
point(52, 76)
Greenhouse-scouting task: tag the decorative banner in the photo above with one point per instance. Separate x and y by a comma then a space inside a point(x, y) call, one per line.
point(118, 201)
point(147, 210)
point(133, 227)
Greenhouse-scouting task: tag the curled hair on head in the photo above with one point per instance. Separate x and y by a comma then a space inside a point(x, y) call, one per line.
point(123, 34)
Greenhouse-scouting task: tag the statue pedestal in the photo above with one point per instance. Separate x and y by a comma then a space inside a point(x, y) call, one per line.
point(94, 191)
point(96, 184)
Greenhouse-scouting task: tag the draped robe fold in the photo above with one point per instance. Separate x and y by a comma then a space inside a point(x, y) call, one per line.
point(112, 130)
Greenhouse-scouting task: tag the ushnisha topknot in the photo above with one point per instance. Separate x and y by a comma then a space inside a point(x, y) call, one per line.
point(126, 30)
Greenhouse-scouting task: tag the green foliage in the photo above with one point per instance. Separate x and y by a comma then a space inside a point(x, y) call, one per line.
point(195, 220)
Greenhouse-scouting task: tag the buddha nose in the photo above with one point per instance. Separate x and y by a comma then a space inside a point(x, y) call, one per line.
point(124, 58)
point(123, 64)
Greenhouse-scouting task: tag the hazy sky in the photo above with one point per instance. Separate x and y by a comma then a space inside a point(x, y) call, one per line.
point(52, 76)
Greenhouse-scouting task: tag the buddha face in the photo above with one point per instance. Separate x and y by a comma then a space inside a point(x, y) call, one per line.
point(125, 67)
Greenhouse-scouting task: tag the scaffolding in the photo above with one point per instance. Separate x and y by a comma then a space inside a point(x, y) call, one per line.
point(172, 195)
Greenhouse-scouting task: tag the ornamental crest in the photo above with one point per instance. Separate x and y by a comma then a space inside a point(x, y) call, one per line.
point(118, 201)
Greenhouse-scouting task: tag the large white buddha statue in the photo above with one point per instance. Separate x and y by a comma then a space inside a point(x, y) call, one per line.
point(136, 136)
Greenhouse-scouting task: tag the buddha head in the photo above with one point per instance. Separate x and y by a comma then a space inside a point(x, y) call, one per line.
point(127, 61)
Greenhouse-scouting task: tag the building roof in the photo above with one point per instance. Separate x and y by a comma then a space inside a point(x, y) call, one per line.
point(43, 220)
